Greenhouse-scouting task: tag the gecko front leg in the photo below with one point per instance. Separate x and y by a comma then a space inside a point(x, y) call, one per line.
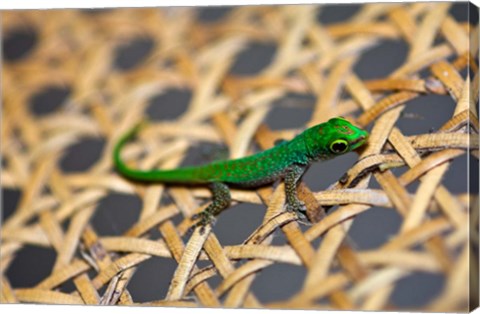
point(293, 174)
point(220, 201)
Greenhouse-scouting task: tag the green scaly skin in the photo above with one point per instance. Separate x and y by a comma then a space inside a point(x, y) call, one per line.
point(287, 160)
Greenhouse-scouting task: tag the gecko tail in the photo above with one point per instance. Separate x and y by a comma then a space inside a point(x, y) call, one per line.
point(117, 160)
point(184, 175)
point(135, 129)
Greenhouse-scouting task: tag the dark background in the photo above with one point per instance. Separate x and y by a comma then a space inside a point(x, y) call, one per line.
point(115, 215)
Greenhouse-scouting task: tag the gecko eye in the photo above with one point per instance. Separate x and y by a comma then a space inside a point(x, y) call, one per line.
point(339, 146)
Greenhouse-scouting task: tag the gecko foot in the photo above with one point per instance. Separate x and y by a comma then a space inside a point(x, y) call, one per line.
point(204, 218)
point(299, 208)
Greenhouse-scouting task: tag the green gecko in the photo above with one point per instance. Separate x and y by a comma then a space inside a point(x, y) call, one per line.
point(287, 160)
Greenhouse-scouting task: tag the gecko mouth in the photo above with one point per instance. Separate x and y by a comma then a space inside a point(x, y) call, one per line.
point(359, 141)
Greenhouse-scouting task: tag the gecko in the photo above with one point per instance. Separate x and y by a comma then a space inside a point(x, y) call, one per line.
point(287, 160)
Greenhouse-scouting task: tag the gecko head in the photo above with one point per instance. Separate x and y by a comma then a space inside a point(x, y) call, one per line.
point(335, 137)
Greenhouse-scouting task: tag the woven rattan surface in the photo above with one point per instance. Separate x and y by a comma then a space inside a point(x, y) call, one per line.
point(77, 49)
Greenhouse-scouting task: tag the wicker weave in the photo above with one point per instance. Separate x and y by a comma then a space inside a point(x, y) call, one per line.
point(76, 48)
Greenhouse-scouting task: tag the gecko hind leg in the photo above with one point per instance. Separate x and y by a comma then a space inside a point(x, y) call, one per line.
point(293, 174)
point(221, 200)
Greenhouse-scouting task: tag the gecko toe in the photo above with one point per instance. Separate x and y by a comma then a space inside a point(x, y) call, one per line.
point(195, 216)
point(190, 230)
